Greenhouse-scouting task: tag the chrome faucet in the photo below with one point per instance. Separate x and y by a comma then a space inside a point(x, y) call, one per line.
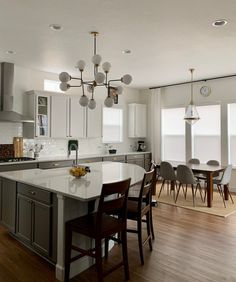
point(76, 150)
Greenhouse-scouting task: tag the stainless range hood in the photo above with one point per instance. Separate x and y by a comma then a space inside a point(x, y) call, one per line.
point(7, 112)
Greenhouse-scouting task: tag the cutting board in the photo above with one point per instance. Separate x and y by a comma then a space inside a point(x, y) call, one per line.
point(18, 147)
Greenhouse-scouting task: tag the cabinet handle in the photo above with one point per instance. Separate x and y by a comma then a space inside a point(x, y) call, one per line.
point(31, 192)
point(55, 165)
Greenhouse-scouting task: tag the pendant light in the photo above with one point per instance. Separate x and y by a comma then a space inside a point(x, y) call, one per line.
point(191, 113)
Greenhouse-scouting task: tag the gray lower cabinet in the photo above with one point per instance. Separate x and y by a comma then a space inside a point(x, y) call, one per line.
point(90, 160)
point(137, 159)
point(120, 159)
point(21, 166)
point(8, 203)
point(36, 213)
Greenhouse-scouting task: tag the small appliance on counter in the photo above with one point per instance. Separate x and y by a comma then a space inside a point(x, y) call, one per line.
point(141, 146)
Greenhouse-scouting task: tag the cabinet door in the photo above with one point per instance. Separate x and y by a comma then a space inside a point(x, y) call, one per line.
point(77, 116)
point(94, 122)
point(59, 117)
point(8, 195)
point(41, 231)
point(24, 218)
point(140, 121)
point(42, 127)
point(139, 162)
point(137, 120)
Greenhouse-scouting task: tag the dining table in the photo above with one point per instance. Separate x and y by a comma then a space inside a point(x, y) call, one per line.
point(208, 171)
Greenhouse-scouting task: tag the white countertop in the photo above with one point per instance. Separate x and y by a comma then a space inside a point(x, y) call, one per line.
point(81, 157)
point(86, 188)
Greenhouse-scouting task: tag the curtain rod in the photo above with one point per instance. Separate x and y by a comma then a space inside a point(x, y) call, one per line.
point(187, 82)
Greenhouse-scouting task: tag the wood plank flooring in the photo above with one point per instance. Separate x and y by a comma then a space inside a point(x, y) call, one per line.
point(189, 246)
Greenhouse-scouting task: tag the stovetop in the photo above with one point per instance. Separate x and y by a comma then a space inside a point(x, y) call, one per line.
point(12, 160)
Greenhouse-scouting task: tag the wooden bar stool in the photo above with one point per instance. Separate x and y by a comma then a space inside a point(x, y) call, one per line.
point(101, 225)
point(140, 207)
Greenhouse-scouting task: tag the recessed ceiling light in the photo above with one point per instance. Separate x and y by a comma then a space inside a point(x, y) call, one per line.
point(218, 23)
point(126, 51)
point(10, 52)
point(56, 27)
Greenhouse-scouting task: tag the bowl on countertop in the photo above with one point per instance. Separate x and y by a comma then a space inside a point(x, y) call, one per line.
point(112, 151)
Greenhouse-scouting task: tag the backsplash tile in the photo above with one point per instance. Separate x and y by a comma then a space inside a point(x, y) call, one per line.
point(8, 130)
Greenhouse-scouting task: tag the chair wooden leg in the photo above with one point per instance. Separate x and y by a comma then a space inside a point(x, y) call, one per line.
point(193, 195)
point(230, 194)
point(149, 230)
point(200, 191)
point(162, 185)
point(125, 253)
point(222, 193)
point(151, 222)
point(140, 241)
point(177, 195)
point(98, 250)
point(68, 244)
point(106, 247)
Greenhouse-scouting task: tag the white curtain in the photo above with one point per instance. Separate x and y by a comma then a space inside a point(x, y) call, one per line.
point(155, 131)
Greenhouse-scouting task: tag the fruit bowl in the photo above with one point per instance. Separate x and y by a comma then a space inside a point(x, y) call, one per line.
point(79, 171)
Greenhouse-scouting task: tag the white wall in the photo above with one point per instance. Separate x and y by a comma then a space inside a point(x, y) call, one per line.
point(223, 91)
point(26, 79)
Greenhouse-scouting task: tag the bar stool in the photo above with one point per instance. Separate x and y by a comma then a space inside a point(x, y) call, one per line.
point(100, 226)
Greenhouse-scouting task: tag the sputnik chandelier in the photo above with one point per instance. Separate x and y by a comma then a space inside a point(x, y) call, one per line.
point(100, 79)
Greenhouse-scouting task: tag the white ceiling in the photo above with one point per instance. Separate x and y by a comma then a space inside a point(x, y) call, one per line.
point(166, 37)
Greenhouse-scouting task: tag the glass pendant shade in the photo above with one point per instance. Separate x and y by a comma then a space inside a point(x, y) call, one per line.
point(96, 59)
point(81, 65)
point(63, 86)
point(92, 104)
point(64, 77)
point(100, 77)
point(191, 114)
point(83, 101)
point(109, 102)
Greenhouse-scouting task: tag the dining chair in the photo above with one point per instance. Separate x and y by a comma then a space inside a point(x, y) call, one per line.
point(101, 225)
point(139, 207)
point(186, 177)
point(168, 176)
point(194, 161)
point(203, 177)
point(223, 183)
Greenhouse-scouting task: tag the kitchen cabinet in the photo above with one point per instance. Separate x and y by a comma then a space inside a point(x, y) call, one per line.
point(137, 159)
point(90, 160)
point(77, 118)
point(8, 203)
point(94, 122)
point(35, 209)
point(137, 120)
point(21, 166)
point(59, 116)
point(120, 159)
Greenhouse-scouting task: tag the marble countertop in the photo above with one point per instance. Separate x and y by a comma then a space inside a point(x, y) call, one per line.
point(86, 188)
point(81, 157)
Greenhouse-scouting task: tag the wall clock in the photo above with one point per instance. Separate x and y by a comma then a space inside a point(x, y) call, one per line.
point(205, 91)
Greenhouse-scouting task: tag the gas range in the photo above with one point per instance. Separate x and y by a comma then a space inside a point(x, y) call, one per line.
point(18, 159)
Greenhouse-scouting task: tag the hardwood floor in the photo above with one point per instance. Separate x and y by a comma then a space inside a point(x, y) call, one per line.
point(189, 246)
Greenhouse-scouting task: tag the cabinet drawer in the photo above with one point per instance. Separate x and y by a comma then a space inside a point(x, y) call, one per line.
point(90, 160)
point(114, 159)
point(11, 167)
point(34, 193)
point(48, 165)
point(135, 157)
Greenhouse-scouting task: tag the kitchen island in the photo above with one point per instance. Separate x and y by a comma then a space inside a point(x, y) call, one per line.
point(75, 197)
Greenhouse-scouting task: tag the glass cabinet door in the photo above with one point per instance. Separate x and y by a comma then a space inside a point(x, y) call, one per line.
point(42, 107)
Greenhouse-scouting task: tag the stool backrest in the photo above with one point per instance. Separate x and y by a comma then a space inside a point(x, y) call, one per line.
point(194, 161)
point(146, 189)
point(113, 200)
point(167, 172)
point(213, 162)
point(185, 175)
point(226, 175)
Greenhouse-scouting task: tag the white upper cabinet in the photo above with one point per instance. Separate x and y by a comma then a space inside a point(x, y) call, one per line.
point(59, 111)
point(77, 118)
point(94, 122)
point(137, 120)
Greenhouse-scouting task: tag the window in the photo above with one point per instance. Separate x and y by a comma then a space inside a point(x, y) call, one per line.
point(232, 133)
point(206, 134)
point(173, 134)
point(52, 85)
point(112, 125)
